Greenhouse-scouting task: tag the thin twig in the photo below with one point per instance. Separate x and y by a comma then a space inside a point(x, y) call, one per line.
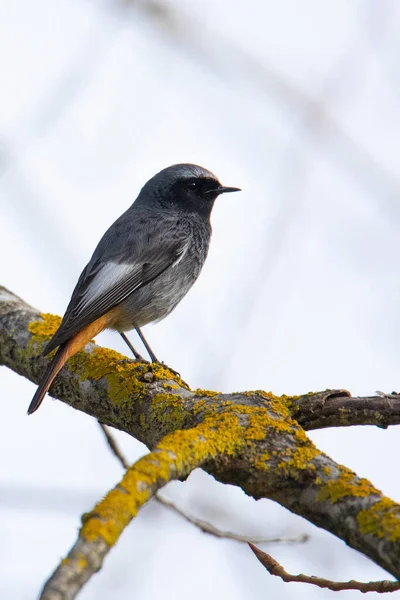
point(211, 529)
point(114, 446)
point(203, 525)
point(274, 568)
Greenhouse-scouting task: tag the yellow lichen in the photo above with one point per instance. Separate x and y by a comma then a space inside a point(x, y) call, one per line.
point(167, 411)
point(346, 484)
point(120, 374)
point(177, 453)
point(300, 459)
point(200, 406)
point(301, 435)
point(207, 393)
point(226, 403)
point(42, 330)
point(278, 404)
point(260, 420)
point(170, 386)
point(381, 520)
point(220, 434)
point(162, 372)
point(79, 562)
point(120, 506)
point(143, 423)
point(262, 460)
point(45, 329)
point(115, 511)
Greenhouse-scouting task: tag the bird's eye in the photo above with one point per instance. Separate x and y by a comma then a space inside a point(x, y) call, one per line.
point(193, 186)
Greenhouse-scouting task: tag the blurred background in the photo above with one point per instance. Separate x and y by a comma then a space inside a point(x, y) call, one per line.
point(298, 104)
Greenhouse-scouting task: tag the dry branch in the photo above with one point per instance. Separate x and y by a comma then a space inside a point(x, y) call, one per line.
point(274, 568)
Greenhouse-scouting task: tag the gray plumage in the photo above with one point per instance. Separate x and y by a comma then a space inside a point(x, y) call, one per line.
point(150, 257)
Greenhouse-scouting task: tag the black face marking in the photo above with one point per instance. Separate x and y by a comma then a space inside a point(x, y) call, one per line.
point(197, 187)
point(196, 194)
point(184, 187)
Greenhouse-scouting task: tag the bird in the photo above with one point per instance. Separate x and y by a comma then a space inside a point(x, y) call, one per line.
point(143, 266)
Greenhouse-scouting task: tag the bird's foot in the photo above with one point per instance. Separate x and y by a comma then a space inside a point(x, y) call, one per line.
point(127, 360)
point(162, 364)
point(170, 369)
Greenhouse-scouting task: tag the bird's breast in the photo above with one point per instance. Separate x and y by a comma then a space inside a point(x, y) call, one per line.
point(155, 300)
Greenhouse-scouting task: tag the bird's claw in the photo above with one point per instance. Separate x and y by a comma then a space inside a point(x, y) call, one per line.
point(176, 373)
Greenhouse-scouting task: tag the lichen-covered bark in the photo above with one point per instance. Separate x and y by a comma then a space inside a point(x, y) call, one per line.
point(102, 527)
point(255, 440)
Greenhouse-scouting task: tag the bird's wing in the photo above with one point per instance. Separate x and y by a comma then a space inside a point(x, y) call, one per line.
point(105, 284)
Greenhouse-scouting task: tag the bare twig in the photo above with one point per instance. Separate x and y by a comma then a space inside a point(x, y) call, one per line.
point(114, 446)
point(211, 529)
point(274, 568)
point(203, 525)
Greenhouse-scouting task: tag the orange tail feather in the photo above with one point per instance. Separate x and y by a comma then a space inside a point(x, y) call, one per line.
point(64, 352)
point(54, 367)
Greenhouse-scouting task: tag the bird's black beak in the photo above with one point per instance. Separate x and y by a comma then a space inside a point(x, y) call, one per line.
point(224, 190)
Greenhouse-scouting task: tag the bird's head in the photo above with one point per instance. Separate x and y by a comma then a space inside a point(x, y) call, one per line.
point(184, 187)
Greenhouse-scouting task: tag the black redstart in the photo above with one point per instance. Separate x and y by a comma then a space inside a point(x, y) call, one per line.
point(143, 265)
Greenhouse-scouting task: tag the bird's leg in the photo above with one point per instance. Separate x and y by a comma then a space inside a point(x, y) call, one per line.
point(132, 349)
point(146, 345)
point(153, 357)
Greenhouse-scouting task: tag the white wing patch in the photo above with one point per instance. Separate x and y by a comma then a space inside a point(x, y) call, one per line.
point(182, 253)
point(109, 275)
point(113, 274)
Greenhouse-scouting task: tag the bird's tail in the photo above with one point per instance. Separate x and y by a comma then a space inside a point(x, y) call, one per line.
point(53, 369)
point(64, 352)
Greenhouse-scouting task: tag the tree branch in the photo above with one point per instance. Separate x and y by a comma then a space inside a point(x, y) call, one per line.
point(230, 535)
point(102, 527)
point(274, 568)
point(114, 446)
point(255, 440)
point(204, 526)
point(337, 408)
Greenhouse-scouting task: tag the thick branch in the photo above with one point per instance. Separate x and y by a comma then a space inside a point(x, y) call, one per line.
point(255, 439)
